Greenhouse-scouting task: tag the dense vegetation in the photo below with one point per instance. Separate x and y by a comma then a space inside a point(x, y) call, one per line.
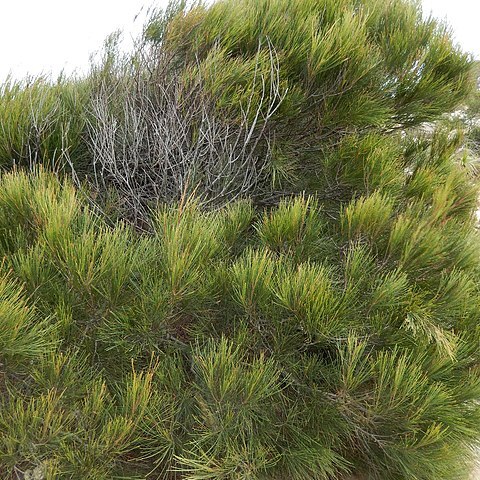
point(240, 253)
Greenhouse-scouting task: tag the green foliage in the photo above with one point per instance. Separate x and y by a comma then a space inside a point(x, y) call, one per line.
point(236, 344)
point(292, 227)
point(323, 324)
point(42, 122)
point(277, 95)
point(23, 337)
point(342, 67)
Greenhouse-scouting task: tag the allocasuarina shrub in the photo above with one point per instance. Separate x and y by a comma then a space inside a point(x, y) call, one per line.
point(329, 334)
point(316, 71)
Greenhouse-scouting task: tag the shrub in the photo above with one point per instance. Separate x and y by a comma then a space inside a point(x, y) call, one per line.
point(235, 344)
point(327, 334)
point(261, 107)
point(345, 67)
point(42, 122)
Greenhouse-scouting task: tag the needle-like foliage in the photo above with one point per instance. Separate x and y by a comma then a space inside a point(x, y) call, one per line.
point(297, 296)
point(239, 344)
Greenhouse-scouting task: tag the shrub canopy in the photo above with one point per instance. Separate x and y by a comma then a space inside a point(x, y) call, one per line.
point(340, 67)
point(322, 324)
point(241, 344)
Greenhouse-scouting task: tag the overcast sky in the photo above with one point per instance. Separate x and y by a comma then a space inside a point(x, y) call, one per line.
point(50, 35)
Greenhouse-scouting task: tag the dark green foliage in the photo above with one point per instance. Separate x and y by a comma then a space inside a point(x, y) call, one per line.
point(265, 97)
point(343, 67)
point(236, 344)
point(322, 324)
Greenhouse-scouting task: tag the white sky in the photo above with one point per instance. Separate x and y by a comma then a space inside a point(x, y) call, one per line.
point(42, 36)
point(464, 18)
